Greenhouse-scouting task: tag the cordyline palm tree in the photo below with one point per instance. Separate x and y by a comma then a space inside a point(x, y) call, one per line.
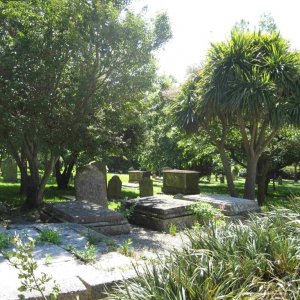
point(251, 81)
point(189, 115)
point(252, 78)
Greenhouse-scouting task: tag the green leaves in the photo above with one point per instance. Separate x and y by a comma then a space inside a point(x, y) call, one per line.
point(256, 259)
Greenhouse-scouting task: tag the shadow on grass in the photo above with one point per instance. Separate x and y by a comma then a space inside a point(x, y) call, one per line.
point(9, 193)
point(129, 194)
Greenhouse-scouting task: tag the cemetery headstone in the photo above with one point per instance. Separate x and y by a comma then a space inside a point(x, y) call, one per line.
point(146, 187)
point(114, 188)
point(180, 181)
point(90, 185)
point(136, 175)
point(9, 170)
point(102, 168)
point(279, 179)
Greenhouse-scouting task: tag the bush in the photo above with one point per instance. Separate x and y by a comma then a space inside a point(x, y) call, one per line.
point(259, 259)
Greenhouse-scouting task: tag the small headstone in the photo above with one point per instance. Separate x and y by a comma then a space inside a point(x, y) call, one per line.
point(146, 187)
point(279, 179)
point(114, 188)
point(9, 170)
point(90, 185)
point(131, 169)
point(102, 168)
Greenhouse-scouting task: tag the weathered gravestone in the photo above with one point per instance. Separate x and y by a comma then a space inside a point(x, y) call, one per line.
point(180, 181)
point(136, 176)
point(160, 211)
point(9, 170)
point(279, 179)
point(146, 187)
point(102, 168)
point(90, 185)
point(114, 188)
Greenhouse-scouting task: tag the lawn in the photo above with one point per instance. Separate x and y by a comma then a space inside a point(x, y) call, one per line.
point(9, 192)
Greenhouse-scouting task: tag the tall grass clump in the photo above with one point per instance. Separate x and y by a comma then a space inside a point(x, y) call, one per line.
point(256, 259)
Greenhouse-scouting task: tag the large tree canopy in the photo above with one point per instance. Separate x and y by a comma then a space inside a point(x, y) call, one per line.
point(250, 81)
point(61, 62)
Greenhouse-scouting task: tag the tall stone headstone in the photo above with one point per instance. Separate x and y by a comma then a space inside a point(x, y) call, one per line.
point(102, 168)
point(114, 188)
point(90, 185)
point(280, 181)
point(9, 170)
point(146, 187)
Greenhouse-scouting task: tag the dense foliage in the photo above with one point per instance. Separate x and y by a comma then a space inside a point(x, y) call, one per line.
point(258, 259)
point(72, 74)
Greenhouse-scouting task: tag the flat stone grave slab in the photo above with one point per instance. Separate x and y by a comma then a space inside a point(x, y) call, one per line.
point(230, 206)
point(88, 214)
point(74, 277)
point(159, 212)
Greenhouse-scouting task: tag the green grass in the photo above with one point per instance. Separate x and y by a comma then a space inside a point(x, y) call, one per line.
point(9, 192)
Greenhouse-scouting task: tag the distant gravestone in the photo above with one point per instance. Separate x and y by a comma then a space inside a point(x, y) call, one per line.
point(131, 169)
point(146, 187)
point(136, 175)
point(180, 181)
point(90, 185)
point(9, 170)
point(114, 188)
point(102, 168)
point(279, 179)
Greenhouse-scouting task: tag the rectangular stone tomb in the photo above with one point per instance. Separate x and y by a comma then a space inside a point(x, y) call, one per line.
point(159, 212)
point(88, 214)
point(136, 175)
point(180, 181)
point(230, 206)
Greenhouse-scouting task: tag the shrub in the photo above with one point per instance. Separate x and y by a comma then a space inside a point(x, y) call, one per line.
point(87, 255)
point(258, 259)
point(126, 248)
point(4, 240)
point(206, 213)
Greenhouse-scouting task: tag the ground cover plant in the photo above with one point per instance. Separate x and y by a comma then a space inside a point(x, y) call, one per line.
point(257, 259)
point(50, 236)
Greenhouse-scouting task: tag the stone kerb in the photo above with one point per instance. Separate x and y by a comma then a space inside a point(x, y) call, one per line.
point(146, 187)
point(114, 188)
point(90, 185)
point(9, 170)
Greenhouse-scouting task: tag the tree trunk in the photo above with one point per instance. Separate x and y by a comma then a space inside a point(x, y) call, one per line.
point(24, 173)
point(295, 172)
point(35, 185)
point(227, 171)
point(263, 167)
point(63, 178)
point(249, 191)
